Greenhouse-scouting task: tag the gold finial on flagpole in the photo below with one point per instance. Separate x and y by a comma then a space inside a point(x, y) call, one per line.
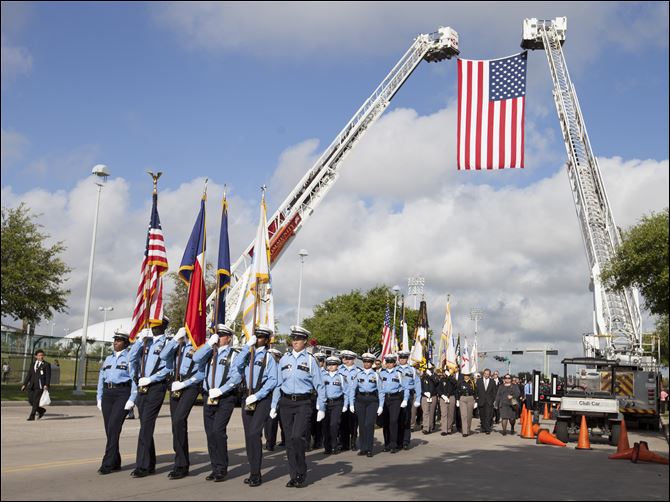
point(155, 177)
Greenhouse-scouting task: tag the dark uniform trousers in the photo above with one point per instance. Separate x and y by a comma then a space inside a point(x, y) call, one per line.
point(315, 431)
point(113, 414)
point(34, 396)
point(216, 418)
point(295, 418)
point(179, 411)
point(348, 431)
point(405, 425)
point(149, 405)
point(366, 412)
point(392, 411)
point(486, 416)
point(331, 423)
point(271, 426)
point(253, 429)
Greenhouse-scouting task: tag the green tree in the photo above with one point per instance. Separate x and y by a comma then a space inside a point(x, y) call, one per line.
point(175, 305)
point(32, 273)
point(354, 320)
point(642, 262)
point(661, 332)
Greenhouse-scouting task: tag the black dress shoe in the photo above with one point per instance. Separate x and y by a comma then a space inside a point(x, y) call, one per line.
point(361, 453)
point(327, 452)
point(443, 433)
point(139, 473)
point(178, 474)
point(504, 433)
point(369, 454)
point(393, 450)
point(218, 477)
point(291, 483)
point(337, 451)
point(105, 470)
point(210, 476)
point(300, 482)
point(405, 447)
point(255, 481)
point(269, 447)
point(152, 470)
point(426, 432)
point(465, 435)
point(30, 419)
point(386, 448)
point(281, 443)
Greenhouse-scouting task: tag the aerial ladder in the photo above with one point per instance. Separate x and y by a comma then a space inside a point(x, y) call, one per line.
point(617, 332)
point(299, 205)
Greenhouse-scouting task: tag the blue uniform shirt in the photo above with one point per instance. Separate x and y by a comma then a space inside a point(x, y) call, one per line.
point(155, 368)
point(299, 373)
point(412, 380)
point(234, 377)
point(366, 381)
point(117, 369)
point(349, 372)
point(269, 375)
point(392, 383)
point(335, 385)
point(188, 366)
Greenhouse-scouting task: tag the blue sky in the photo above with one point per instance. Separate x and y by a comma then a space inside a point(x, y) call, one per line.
point(247, 94)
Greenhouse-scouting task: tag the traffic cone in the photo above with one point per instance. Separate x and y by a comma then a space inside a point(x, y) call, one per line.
point(523, 416)
point(535, 428)
point(583, 443)
point(623, 449)
point(545, 415)
point(641, 453)
point(527, 430)
point(546, 437)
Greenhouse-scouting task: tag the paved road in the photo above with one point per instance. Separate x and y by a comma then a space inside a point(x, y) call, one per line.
point(56, 458)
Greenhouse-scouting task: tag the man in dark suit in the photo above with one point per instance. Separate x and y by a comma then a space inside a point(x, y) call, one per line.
point(37, 381)
point(485, 393)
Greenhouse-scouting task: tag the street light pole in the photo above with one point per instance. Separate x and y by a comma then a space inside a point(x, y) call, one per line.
point(102, 173)
point(302, 253)
point(104, 327)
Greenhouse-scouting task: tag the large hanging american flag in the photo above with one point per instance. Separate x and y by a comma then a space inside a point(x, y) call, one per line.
point(387, 337)
point(149, 297)
point(491, 103)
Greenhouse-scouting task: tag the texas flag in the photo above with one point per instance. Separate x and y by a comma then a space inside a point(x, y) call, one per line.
point(191, 271)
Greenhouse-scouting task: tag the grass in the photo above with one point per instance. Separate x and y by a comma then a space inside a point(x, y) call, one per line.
point(57, 392)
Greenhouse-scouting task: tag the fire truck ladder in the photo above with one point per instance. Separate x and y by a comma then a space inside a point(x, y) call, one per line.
point(616, 313)
point(315, 184)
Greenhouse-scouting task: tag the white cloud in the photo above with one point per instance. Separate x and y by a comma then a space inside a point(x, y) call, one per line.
point(15, 61)
point(13, 146)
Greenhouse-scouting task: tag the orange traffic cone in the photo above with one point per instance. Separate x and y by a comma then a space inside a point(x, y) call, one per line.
point(545, 415)
point(527, 430)
point(583, 443)
point(546, 437)
point(641, 453)
point(535, 428)
point(623, 449)
point(523, 416)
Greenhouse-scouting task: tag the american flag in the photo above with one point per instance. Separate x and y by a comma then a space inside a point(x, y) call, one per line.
point(154, 265)
point(387, 337)
point(491, 102)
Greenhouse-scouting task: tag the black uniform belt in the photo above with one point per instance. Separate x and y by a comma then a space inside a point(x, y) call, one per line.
point(335, 400)
point(116, 385)
point(297, 397)
point(396, 394)
point(372, 393)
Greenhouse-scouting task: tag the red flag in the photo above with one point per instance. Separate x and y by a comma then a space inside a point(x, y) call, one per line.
point(387, 337)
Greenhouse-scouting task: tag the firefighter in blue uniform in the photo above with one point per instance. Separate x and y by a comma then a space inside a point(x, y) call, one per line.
point(299, 374)
point(337, 401)
point(186, 384)
point(116, 395)
point(367, 401)
point(315, 433)
point(412, 380)
point(349, 424)
point(394, 395)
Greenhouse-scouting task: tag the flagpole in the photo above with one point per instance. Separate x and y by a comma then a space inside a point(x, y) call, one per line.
point(218, 277)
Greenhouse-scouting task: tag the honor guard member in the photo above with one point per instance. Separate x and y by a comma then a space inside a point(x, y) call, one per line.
point(222, 377)
point(466, 401)
point(184, 390)
point(261, 381)
point(412, 381)
point(337, 402)
point(152, 373)
point(272, 424)
point(349, 425)
point(367, 401)
point(299, 374)
point(315, 433)
point(116, 395)
point(394, 395)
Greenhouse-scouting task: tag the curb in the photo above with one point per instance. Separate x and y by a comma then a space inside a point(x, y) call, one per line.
point(11, 404)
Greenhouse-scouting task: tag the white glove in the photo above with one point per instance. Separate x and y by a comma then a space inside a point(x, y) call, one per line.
point(475, 406)
point(445, 398)
point(214, 393)
point(344, 410)
point(177, 386)
point(417, 404)
point(380, 410)
point(458, 404)
point(273, 413)
point(145, 333)
point(352, 408)
point(181, 333)
point(213, 340)
point(129, 405)
point(403, 404)
point(320, 415)
point(429, 373)
point(100, 404)
point(144, 381)
point(251, 341)
point(427, 394)
point(251, 399)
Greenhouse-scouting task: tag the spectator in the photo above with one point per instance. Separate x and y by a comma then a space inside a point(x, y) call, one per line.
point(5, 371)
point(507, 403)
point(37, 381)
point(664, 400)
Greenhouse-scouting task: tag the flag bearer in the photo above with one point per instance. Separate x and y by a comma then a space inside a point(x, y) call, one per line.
point(367, 400)
point(349, 425)
point(222, 376)
point(152, 373)
point(299, 374)
point(116, 395)
point(337, 401)
point(272, 424)
point(256, 407)
point(184, 391)
point(412, 381)
point(394, 395)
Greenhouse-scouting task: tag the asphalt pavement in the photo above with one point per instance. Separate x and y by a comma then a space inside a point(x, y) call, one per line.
point(56, 458)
